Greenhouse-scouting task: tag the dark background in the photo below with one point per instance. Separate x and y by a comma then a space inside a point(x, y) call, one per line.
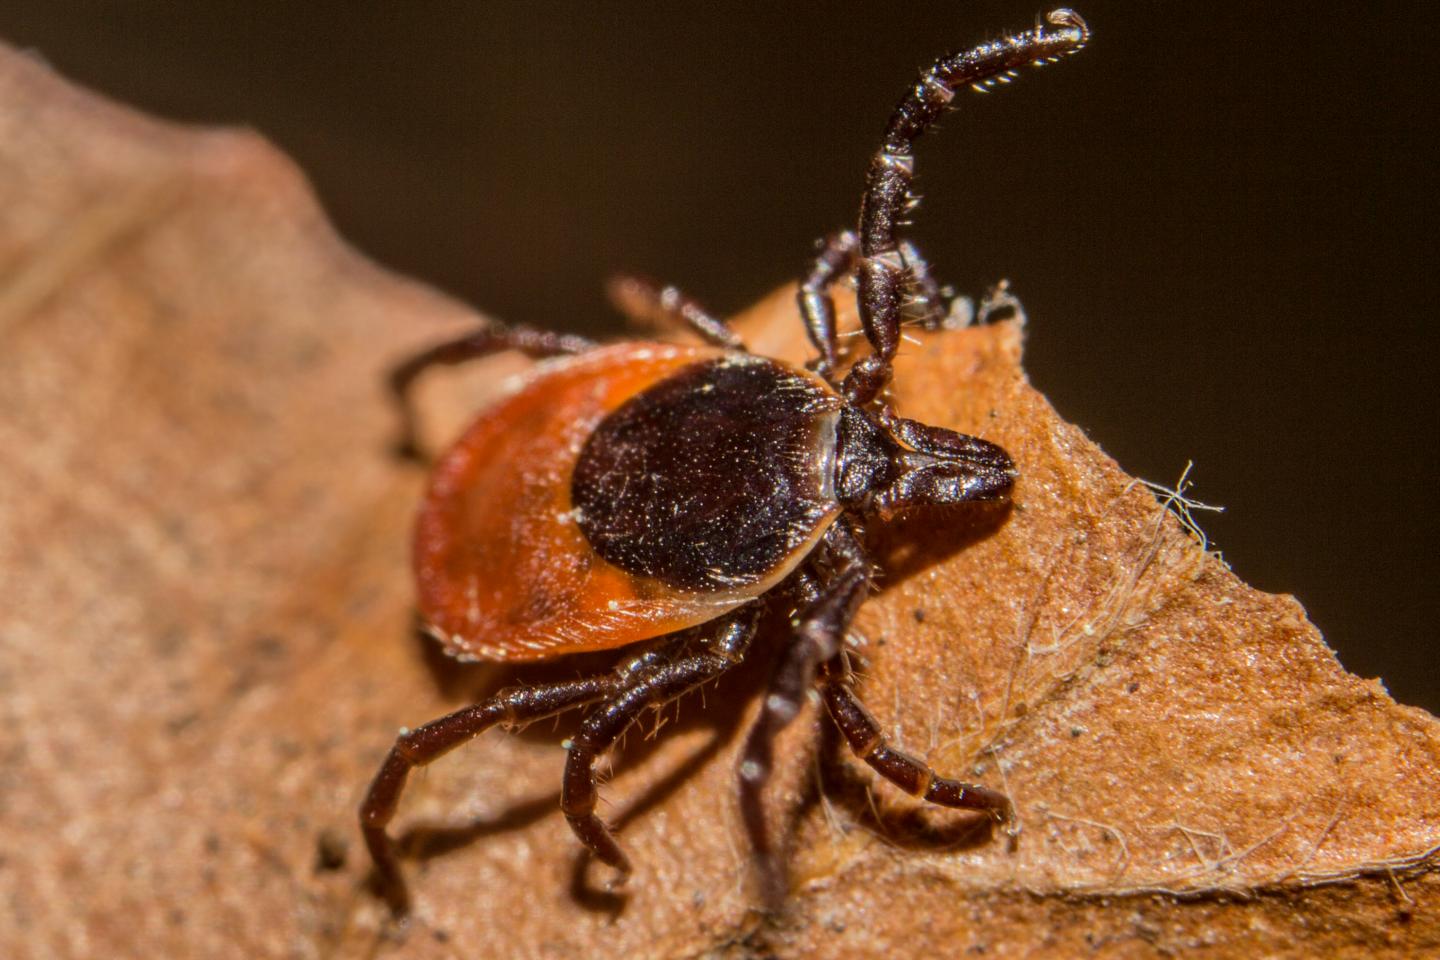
point(1220, 217)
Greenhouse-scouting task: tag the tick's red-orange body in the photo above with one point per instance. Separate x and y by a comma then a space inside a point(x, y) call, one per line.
point(665, 499)
point(505, 571)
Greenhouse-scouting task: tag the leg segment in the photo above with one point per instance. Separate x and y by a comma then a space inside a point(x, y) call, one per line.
point(908, 773)
point(838, 255)
point(490, 339)
point(835, 259)
point(926, 293)
point(830, 605)
point(510, 708)
point(649, 302)
point(887, 196)
point(653, 688)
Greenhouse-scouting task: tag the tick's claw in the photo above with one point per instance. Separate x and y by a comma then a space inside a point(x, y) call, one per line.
point(399, 903)
point(396, 894)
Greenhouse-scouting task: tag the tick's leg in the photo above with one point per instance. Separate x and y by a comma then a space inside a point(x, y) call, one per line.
point(489, 339)
point(863, 733)
point(928, 300)
point(829, 607)
point(654, 304)
point(908, 773)
point(835, 259)
point(601, 728)
point(881, 271)
point(511, 708)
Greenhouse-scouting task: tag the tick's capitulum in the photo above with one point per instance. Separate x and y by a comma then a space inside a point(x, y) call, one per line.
point(651, 492)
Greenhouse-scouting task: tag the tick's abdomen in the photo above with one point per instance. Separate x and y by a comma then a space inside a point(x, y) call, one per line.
point(506, 571)
point(712, 477)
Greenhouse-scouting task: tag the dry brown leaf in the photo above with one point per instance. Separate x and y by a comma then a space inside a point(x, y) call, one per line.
point(205, 646)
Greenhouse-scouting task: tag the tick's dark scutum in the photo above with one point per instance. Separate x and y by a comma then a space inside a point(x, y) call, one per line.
point(711, 478)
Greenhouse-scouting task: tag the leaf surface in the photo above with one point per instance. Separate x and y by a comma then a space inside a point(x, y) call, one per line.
point(206, 645)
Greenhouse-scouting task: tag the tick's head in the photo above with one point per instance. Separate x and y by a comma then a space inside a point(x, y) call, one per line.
point(885, 467)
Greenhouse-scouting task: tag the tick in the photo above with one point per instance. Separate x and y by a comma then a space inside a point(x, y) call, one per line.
point(665, 499)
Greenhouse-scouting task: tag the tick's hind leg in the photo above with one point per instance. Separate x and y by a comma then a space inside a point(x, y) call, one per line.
point(492, 338)
point(908, 773)
point(828, 606)
point(511, 708)
point(831, 594)
point(706, 660)
point(653, 304)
